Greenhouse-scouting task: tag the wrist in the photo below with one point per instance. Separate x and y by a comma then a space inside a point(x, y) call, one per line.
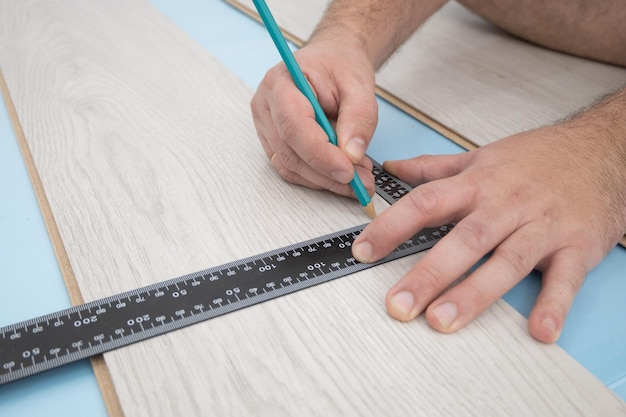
point(340, 36)
point(602, 141)
point(376, 27)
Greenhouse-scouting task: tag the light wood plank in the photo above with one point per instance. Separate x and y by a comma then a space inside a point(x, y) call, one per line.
point(133, 129)
point(97, 362)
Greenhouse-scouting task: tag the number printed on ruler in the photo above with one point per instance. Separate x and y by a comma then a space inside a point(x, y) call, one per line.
point(66, 336)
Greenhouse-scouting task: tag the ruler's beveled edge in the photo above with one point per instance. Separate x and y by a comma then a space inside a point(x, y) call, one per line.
point(105, 382)
point(440, 128)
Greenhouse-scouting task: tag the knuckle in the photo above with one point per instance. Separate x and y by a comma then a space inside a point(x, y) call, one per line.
point(287, 175)
point(474, 183)
point(518, 258)
point(316, 159)
point(272, 74)
point(258, 107)
point(367, 113)
point(286, 127)
point(424, 200)
point(254, 105)
point(572, 280)
point(477, 291)
point(431, 280)
point(422, 166)
point(475, 236)
point(291, 161)
point(423, 159)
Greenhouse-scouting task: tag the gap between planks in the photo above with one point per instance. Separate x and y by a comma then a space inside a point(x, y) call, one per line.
point(112, 403)
point(440, 128)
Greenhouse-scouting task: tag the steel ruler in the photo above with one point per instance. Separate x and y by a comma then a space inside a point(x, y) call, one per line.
point(66, 336)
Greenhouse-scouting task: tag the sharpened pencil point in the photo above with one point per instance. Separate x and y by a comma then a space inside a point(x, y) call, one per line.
point(370, 210)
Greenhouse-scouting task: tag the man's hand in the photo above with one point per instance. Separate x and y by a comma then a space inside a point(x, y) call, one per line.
point(353, 39)
point(553, 199)
point(343, 79)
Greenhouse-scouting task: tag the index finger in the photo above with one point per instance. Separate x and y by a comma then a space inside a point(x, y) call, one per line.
point(429, 205)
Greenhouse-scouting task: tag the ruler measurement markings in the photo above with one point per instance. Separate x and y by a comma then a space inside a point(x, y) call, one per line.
point(122, 319)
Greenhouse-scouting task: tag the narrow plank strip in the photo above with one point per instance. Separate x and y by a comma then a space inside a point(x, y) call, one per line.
point(152, 169)
point(100, 369)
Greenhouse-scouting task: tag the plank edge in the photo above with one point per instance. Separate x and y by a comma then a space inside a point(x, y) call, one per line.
point(105, 383)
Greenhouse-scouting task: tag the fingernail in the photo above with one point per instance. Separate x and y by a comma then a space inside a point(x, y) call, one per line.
point(362, 252)
point(446, 314)
point(402, 302)
point(549, 324)
point(356, 149)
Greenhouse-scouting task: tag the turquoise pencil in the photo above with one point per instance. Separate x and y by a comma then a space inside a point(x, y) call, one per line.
point(305, 88)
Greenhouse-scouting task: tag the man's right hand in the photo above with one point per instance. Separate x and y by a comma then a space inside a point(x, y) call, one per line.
point(342, 77)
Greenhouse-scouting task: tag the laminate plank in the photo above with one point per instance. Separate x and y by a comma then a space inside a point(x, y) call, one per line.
point(99, 366)
point(149, 161)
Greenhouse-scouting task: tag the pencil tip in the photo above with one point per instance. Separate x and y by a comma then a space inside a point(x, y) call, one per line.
point(370, 210)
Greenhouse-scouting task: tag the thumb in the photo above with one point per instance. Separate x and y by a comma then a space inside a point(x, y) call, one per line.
point(356, 122)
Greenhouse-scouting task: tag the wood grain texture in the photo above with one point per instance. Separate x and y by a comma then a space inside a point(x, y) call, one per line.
point(150, 163)
point(100, 369)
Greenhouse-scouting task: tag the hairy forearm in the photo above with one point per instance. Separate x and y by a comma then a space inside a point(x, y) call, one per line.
point(378, 26)
point(590, 29)
point(606, 145)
